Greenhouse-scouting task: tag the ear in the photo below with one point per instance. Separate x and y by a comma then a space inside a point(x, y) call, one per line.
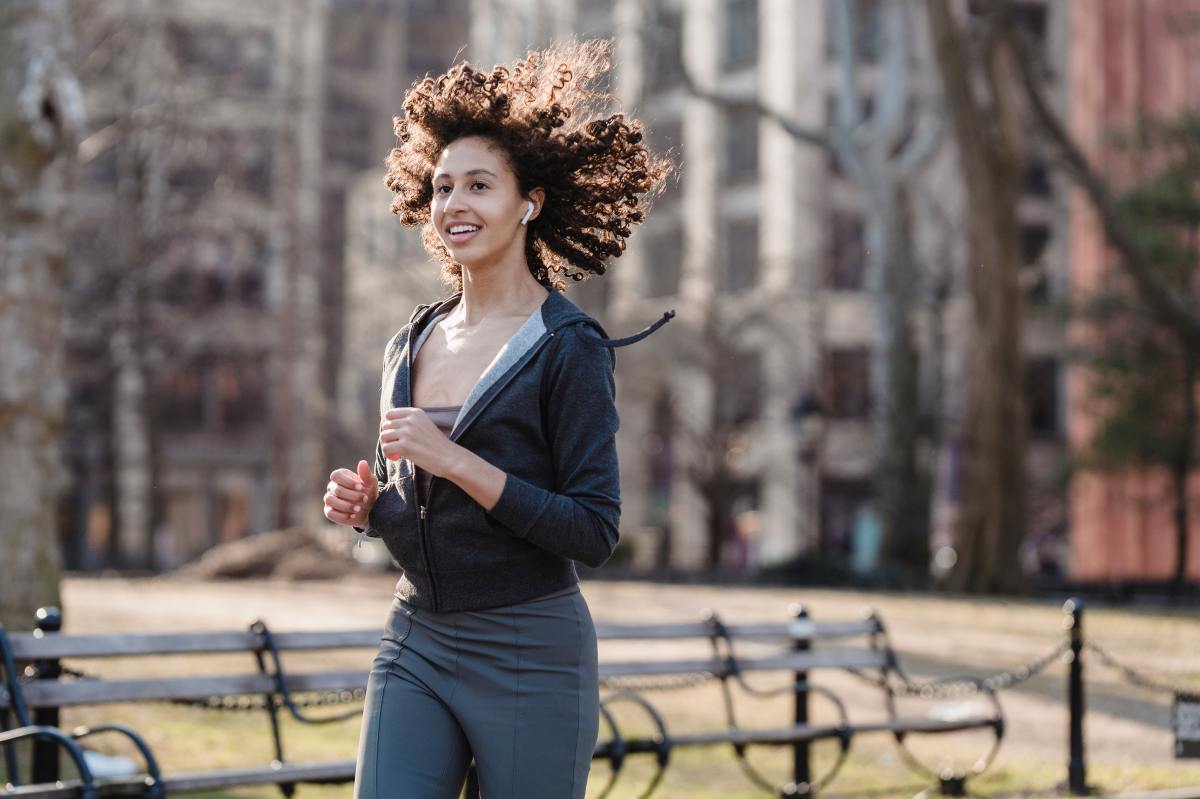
point(538, 198)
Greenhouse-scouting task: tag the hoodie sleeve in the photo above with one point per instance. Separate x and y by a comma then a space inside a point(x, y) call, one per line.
point(579, 519)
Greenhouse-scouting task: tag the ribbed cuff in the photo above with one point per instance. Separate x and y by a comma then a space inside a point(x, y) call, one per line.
point(520, 505)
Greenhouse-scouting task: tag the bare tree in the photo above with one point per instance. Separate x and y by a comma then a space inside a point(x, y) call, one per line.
point(981, 97)
point(172, 242)
point(41, 112)
point(883, 153)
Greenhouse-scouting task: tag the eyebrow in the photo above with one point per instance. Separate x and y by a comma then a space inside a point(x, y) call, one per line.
point(469, 172)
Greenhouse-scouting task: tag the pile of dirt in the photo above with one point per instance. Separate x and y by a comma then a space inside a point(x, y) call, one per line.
point(290, 554)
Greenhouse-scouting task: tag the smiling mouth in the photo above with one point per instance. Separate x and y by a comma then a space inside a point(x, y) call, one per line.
point(461, 233)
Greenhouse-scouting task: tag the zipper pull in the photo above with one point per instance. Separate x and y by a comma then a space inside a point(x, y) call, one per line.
point(422, 509)
point(361, 535)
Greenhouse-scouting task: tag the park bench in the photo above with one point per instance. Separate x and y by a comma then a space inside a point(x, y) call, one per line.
point(30, 704)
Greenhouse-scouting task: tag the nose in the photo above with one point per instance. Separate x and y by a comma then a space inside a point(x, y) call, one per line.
point(456, 201)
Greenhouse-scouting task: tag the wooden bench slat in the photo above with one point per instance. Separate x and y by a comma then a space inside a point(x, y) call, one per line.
point(192, 782)
point(31, 646)
point(791, 661)
point(798, 629)
point(34, 646)
point(340, 770)
point(64, 694)
point(927, 726)
point(87, 692)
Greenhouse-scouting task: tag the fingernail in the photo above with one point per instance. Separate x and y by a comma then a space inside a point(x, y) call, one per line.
point(360, 486)
point(357, 508)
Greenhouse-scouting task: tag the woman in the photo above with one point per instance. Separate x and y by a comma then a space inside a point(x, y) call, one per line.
point(496, 463)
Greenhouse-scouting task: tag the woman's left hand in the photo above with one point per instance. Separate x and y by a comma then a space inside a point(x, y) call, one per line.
point(410, 433)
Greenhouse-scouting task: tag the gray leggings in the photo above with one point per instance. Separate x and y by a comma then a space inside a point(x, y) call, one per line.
point(516, 687)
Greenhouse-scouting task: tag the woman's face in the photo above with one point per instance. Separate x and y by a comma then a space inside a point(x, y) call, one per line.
point(477, 206)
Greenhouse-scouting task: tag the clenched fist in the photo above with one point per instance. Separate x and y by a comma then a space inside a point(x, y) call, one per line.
point(350, 495)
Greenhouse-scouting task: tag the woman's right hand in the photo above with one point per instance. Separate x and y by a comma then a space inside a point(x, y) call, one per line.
point(350, 495)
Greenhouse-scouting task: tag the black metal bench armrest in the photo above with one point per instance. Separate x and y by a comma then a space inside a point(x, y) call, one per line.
point(88, 783)
point(154, 785)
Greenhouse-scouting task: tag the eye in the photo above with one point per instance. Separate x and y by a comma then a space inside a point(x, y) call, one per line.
point(438, 189)
point(479, 184)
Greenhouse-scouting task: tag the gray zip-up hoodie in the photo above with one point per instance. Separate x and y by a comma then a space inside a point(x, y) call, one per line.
point(544, 412)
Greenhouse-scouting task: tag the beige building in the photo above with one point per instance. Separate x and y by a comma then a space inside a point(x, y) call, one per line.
point(760, 246)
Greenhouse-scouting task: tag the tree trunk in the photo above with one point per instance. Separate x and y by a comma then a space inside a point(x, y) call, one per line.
point(40, 115)
point(902, 485)
point(992, 520)
point(883, 160)
point(1183, 468)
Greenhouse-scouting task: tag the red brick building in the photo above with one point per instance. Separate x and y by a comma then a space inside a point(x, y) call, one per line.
point(1128, 59)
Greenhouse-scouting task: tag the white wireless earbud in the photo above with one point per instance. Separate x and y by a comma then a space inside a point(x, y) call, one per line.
point(528, 211)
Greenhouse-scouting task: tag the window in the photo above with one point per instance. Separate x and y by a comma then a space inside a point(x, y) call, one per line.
point(240, 387)
point(1036, 177)
point(1034, 239)
point(865, 25)
point(847, 374)
point(346, 131)
point(740, 161)
point(740, 45)
point(180, 398)
point(352, 39)
point(211, 269)
point(435, 32)
point(663, 42)
point(664, 262)
point(847, 254)
point(1042, 398)
point(739, 387)
point(225, 393)
point(739, 262)
point(241, 159)
point(234, 59)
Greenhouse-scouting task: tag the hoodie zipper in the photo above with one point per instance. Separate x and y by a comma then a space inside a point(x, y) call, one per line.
point(423, 508)
point(422, 513)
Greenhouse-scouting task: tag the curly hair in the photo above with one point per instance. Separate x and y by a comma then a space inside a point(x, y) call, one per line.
point(546, 113)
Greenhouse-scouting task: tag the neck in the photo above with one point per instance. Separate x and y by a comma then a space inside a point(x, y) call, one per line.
point(500, 289)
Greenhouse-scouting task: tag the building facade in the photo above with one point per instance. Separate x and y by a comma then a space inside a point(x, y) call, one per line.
point(206, 281)
point(1130, 61)
point(747, 435)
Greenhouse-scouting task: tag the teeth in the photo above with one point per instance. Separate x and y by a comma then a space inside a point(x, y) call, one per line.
point(463, 228)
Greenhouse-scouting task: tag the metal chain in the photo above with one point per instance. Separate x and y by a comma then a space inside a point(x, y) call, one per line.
point(245, 701)
point(259, 701)
point(899, 683)
point(671, 682)
point(1190, 693)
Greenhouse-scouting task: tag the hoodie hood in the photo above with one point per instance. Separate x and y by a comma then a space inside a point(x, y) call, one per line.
point(556, 312)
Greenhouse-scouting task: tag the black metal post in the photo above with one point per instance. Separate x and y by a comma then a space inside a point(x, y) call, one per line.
point(801, 771)
point(1077, 765)
point(45, 750)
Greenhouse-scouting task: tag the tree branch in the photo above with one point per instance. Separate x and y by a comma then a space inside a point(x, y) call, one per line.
point(1172, 309)
point(751, 105)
